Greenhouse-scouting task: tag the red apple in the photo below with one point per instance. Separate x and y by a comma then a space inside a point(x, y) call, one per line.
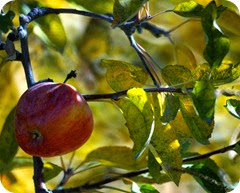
point(52, 119)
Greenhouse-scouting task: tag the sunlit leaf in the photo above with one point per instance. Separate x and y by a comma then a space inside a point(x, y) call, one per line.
point(6, 21)
point(200, 130)
point(125, 9)
point(143, 188)
point(217, 44)
point(233, 107)
point(51, 171)
point(202, 72)
point(229, 21)
point(204, 99)
point(227, 72)
point(116, 156)
point(122, 75)
point(188, 9)
point(185, 57)
point(139, 117)
point(96, 6)
point(50, 29)
point(165, 146)
point(176, 74)
point(172, 105)
point(9, 145)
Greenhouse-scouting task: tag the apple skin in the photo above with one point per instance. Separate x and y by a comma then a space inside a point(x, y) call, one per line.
point(52, 119)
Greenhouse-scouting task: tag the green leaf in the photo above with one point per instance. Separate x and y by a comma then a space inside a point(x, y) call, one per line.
point(204, 99)
point(96, 6)
point(233, 107)
point(189, 9)
point(6, 21)
point(122, 75)
point(227, 72)
point(143, 188)
point(237, 148)
point(51, 171)
point(176, 74)
point(51, 31)
point(172, 105)
point(229, 21)
point(200, 130)
point(185, 57)
point(156, 171)
point(124, 10)
point(217, 44)
point(9, 145)
point(116, 156)
point(202, 72)
point(208, 175)
point(139, 117)
point(20, 162)
point(165, 146)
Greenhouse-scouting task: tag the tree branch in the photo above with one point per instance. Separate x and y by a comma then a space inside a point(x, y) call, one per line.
point(39, 12)
point(99, 185)
point(116, 95)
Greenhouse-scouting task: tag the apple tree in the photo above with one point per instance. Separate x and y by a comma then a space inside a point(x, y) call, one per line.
point(161, 79)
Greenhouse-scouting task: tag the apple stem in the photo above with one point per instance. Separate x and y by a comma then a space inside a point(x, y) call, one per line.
point(70, 75)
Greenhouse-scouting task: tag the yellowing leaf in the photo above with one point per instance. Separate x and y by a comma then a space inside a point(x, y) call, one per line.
point(126, 9)
point(116, 156)
point(229, 21)
point(200, 130)
point(166, 148)
point(185, 57)
point(176, 74)
point(139, 117)
point(122, 75)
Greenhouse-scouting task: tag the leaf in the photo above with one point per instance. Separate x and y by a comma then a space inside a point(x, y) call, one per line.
point(176, 74)
point(124, 10)
point(165, 146)
point(96, 6)
point(156, 171)
point(50, 171)
point(143, 188)
point(51, 31)
point(233, 107)
point(122, 75)
point(185, 57)
point(217, 44)
point(204, 99)
point(189, 9)
point(9, 145)
point(6, 21)
point(229, 21)
point(172, 105)
point(200, 130)
point(20, 162)
point(208, 175)
point(237, 148)
point(227, 72)
point(202, 72)
point(139, 117)
point(116, 156)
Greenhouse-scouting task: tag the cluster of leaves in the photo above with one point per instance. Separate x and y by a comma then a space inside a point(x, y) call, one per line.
point(161, 126)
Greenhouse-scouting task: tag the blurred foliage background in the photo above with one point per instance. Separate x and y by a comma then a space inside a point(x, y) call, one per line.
point(61, 43)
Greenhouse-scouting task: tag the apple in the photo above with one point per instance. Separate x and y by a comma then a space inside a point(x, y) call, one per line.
point(52, 119)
